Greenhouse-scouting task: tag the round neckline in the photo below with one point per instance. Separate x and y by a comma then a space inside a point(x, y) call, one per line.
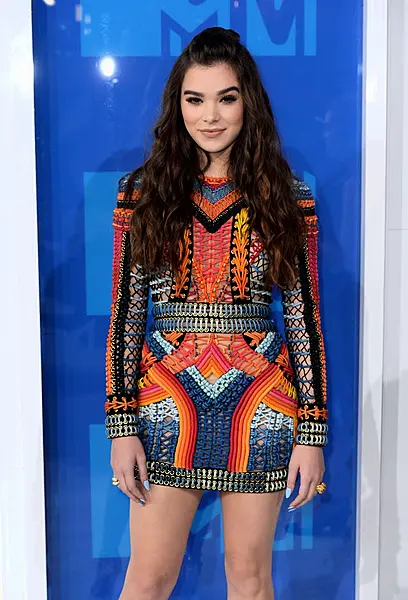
point(212, 178)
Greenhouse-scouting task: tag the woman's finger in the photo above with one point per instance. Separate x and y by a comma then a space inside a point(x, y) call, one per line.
point(142, 491)
point(303, 493)
point(312, 493)
point(132, 491)
point(124, 488)
point(141, 464)
point(292, 476)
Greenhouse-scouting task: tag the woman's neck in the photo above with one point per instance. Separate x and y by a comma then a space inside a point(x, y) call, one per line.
point(216, 174)
point(217, 170)
point(218, 167)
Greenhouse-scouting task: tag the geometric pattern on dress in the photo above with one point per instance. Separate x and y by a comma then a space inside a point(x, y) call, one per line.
point(215, 405)
point(211, 264)
point(214, 201)
point(214, 394)
point(159, 425)
point(259, 265)
point(271, 439)
point(213, 390)
point(236, 278)
point(157, 346)
point(270, 346)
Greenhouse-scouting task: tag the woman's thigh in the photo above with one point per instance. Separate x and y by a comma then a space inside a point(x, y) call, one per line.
point(158, 536)
point(249, 530)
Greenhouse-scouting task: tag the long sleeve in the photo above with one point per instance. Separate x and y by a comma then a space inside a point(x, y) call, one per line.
point(303, 331)
point(127, 325)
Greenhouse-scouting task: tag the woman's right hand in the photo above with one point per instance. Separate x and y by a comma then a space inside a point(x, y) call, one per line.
point(126, 452)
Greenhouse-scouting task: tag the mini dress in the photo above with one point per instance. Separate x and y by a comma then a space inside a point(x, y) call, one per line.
point(195, 364)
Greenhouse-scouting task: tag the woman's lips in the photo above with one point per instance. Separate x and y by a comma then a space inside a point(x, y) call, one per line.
point(212, 134)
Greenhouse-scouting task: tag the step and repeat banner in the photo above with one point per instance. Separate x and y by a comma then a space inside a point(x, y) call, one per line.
point(100, 70)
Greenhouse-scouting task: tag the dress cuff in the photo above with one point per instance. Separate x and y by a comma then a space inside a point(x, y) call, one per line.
point(121, 425)
point(311, 434)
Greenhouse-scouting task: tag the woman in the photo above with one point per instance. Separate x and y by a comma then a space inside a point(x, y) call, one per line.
point(212, 397)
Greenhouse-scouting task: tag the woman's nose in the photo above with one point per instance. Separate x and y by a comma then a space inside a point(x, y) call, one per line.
point(210, 113)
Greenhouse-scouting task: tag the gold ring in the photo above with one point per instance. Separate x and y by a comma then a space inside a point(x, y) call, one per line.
point(321, 488)
point(115, 481)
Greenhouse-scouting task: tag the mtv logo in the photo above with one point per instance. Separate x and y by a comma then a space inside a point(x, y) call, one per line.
point(164, 27)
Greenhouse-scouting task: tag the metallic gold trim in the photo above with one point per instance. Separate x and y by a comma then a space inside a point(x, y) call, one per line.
point(310, 427)
point(215, 479)
point(212, 325)
point(311, 439)
point(223, 310)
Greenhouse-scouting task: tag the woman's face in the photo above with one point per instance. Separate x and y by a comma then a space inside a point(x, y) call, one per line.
point(212, 106)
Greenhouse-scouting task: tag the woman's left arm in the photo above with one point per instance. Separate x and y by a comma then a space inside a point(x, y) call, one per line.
point(303, 330)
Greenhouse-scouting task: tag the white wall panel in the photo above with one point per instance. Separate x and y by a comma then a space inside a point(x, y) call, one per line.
point(22, 529)
point(394, 482)
point(374, 69)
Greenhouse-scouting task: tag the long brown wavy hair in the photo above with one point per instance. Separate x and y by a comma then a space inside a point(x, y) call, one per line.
point(256, 165)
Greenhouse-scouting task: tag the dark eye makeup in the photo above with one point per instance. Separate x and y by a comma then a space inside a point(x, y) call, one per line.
point(226, 99)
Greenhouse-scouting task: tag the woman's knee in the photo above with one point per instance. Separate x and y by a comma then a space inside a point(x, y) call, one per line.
point(247, 576)
point(148, 586)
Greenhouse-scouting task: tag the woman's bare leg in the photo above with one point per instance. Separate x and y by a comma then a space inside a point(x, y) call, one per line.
point(158, 537)
point(249, 530)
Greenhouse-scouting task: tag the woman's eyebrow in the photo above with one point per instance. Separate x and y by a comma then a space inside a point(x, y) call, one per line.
point(220, 93)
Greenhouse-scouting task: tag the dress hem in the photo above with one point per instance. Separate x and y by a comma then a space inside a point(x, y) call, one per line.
point(160, 473)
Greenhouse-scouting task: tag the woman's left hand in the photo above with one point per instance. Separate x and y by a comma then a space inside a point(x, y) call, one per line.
point(309, 462)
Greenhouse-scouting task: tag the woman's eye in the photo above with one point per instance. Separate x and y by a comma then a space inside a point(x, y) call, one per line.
point(226, 99)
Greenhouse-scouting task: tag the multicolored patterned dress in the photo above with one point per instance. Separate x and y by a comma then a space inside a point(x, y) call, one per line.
point(215, 393)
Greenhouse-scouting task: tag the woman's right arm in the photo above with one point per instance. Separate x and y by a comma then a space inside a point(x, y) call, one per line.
point(127, 327)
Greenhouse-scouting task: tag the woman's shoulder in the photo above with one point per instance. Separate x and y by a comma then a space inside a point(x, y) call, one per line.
point(303, 195)
point(135, 175)
point(129, 188)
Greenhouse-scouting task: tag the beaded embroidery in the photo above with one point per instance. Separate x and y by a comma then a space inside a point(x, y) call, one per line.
point(216, 395)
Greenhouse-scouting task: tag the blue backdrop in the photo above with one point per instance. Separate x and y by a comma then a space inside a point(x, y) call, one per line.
point(100, 70)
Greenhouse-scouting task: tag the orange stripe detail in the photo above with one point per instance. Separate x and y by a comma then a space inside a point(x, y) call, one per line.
point(151, 394)
point(243, 415)
point(188, 417)
point(281, 403)
point(244, 450)
point(212, 360)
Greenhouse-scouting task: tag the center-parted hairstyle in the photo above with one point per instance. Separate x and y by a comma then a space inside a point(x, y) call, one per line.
point(256, 165)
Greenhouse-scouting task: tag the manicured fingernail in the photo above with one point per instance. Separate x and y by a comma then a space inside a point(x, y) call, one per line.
point(288, 492)
point(142, 500)
point(141, 503)
point(147, 485)
point(291, 508)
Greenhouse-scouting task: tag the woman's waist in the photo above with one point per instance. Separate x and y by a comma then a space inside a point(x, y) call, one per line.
point(206, 317)
point(225, 310)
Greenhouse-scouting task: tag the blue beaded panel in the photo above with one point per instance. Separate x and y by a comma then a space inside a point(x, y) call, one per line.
point(159, 429)
point(271, 439)
point(215, 404)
